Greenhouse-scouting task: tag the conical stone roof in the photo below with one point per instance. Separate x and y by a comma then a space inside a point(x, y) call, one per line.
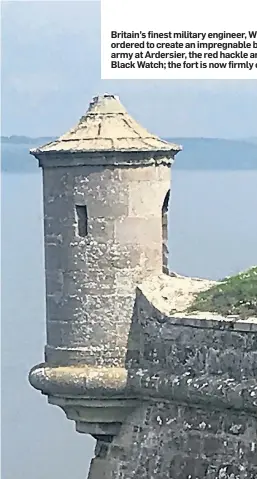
point(107, 127)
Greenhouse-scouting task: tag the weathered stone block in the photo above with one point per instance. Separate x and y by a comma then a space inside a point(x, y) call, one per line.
point(55, 180)
point(80, 283)
point(53, 258)
point(138, 231)
point(137, 173)
point(110, 201)
point(71, 334)
point(54, 282)
point(66, 308)
point(100, 175)
point(164, 173)
point(100, 228)
point(151, 258)
point(105, 355)
point(61, 207)
point(146, 198)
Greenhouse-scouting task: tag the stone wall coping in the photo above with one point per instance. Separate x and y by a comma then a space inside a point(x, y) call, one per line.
point(144, 384)
point(208, 320)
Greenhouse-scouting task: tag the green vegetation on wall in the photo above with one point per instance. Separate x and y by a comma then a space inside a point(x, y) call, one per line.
point(235, 295)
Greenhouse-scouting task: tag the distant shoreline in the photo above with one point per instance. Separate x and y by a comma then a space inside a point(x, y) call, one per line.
point(198, 154)
point(27, 140)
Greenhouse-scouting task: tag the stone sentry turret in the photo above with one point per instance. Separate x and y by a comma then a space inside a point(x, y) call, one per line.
point(105, 183)
point(167, 395)
point(104, 186)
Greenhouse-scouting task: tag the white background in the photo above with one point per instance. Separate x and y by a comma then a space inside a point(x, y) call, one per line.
point(167, 15)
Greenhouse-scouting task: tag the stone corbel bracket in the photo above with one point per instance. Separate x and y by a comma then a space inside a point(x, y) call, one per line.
point(95, 398)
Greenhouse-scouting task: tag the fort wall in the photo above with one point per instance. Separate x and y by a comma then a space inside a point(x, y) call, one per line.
point(166, 394)
point(196, 377)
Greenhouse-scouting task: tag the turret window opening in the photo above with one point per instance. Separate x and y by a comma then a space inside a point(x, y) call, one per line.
point(165, 248)
point(82, 220)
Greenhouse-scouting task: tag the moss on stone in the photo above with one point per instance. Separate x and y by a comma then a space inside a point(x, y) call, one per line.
point(234, 295)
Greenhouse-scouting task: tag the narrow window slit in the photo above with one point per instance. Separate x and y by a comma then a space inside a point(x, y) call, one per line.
point(165, 248)
point(82, 220)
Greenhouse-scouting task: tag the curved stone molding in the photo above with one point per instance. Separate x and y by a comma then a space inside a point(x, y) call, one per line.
point(78, 380)
point(133, 159)
point(117, 384)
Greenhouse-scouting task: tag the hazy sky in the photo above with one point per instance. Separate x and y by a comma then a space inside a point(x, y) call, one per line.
point(51, 69)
